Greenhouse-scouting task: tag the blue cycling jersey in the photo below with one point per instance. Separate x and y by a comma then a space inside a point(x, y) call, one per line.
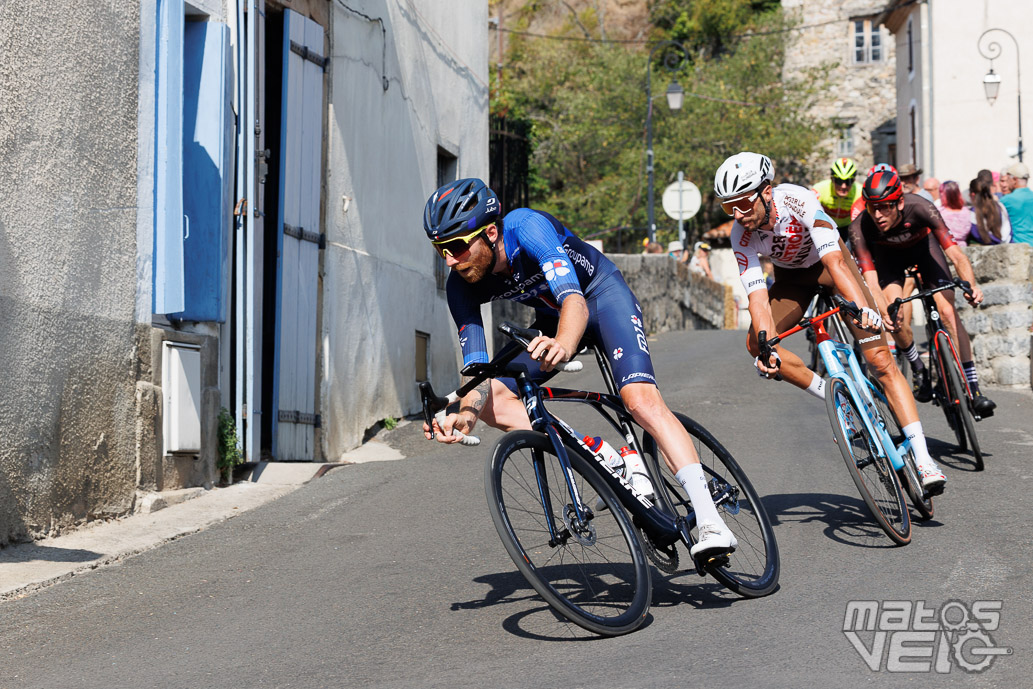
point(549, 264)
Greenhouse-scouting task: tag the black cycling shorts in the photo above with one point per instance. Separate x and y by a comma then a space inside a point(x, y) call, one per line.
point(891, 262)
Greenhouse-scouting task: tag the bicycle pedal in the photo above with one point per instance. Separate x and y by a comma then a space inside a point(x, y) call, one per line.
point(716, 561)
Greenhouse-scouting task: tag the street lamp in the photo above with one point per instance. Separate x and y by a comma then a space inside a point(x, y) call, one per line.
point(992, 80)
point(672, 62)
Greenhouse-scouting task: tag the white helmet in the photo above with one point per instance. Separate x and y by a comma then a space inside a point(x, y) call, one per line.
point(742, 173)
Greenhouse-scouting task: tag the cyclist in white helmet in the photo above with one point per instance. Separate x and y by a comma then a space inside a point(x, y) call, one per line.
point(787, 223)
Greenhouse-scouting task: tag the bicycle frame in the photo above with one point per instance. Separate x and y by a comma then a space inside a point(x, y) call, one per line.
point(841, 362)
point(933, 327)
point(664, 525)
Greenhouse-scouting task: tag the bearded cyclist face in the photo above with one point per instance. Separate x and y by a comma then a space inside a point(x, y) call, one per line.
point(757, 214)
point(473, 263)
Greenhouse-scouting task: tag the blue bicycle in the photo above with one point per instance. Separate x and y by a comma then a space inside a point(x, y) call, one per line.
point(879, 457)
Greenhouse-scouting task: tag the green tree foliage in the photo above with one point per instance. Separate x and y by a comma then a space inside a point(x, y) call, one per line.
point(586, 101)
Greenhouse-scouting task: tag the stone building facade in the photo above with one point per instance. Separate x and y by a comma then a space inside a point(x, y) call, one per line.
point(845, 43)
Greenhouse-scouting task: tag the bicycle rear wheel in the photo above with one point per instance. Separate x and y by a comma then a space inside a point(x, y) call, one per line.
point(908, 476)
point(593, 571)
point(753, 569)
point(871, 471)
point(957, 397)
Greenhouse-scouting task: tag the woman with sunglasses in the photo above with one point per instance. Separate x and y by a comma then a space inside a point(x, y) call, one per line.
point(787, 223)
point(530, 257)
point(899, 230)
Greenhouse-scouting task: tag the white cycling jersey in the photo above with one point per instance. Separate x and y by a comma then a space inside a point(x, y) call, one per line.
point(793, 242)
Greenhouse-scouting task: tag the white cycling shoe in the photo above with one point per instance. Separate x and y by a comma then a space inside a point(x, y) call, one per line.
point(933, 480)
point(715, 538)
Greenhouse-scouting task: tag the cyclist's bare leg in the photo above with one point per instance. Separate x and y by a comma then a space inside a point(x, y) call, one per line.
point(504, 409)
point(904, 337)
point(898, 393)
point(649, 410)
point(905, 310)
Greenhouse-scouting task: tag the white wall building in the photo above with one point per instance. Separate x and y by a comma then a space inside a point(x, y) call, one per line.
point(944, 123)
point(385, 323)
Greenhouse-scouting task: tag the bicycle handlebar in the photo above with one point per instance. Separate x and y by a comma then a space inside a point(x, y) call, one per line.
point(524, 337)
point(434, 406)
point(956, 282)
point(767, 346)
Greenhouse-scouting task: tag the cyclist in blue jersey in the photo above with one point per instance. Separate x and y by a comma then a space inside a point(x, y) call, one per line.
point(530, 257)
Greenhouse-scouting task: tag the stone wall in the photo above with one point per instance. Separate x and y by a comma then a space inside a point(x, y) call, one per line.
point(1000, 327)
point(672, 298)
point(861, 95)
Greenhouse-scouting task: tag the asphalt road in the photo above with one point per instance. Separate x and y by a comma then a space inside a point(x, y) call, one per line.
point(390, 574)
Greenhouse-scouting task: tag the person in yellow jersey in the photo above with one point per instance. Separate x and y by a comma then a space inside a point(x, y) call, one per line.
point(838, 193)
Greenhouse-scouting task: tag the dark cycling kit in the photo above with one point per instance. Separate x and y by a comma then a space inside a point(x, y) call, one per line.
point(549, 264)
point(911, 242)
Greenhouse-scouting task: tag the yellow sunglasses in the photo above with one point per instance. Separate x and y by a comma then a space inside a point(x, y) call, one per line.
point(457, 246)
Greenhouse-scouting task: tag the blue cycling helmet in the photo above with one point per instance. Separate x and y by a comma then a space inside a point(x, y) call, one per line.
point(458, 208)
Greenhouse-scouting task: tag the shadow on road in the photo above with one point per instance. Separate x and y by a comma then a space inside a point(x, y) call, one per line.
point(846, 519)
point(541, 622)
point(51, 554)
point(950, 455)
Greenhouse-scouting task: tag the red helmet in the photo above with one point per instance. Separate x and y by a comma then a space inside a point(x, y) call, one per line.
point(882, 185)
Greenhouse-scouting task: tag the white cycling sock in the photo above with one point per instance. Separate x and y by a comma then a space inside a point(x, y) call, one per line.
point(913, 432)
point(694, 482)
point(817, 387)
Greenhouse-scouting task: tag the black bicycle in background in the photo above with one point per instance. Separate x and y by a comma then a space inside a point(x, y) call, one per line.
point(950, 387)
point(576, 527)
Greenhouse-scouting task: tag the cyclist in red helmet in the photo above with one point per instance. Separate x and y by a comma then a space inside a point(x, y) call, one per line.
point(899, 230)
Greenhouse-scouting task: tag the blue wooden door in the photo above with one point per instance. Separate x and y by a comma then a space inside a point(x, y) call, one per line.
point(298, 238)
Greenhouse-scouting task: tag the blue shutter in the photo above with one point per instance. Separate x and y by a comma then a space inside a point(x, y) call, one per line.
point(168, 160)
point(298, 231)
point(207, 168)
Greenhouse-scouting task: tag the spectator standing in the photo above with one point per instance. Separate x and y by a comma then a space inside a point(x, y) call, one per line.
point(932, 187)
point(956, 215)
point(1019, 203)
point(990, 221)
point(676, 250)
point(910, 176)
point(653, 247)
point(700, 261)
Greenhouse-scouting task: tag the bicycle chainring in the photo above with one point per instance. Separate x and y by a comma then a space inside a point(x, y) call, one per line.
point(664, 557)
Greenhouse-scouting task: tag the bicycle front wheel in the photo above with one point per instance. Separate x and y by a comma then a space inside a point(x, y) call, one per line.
point(958, 399)
point(908, 476)
point(592, 569)
point(752, 570)
point(869, 468)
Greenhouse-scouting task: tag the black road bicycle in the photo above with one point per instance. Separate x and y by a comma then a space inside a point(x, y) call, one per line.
point(950, 387)
point(575, 526)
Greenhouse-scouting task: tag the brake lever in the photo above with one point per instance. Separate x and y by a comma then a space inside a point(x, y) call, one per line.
point(893, 309)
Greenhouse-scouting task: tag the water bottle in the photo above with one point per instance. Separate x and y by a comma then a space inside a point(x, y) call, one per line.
point(612, 458)
point(636, 468)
